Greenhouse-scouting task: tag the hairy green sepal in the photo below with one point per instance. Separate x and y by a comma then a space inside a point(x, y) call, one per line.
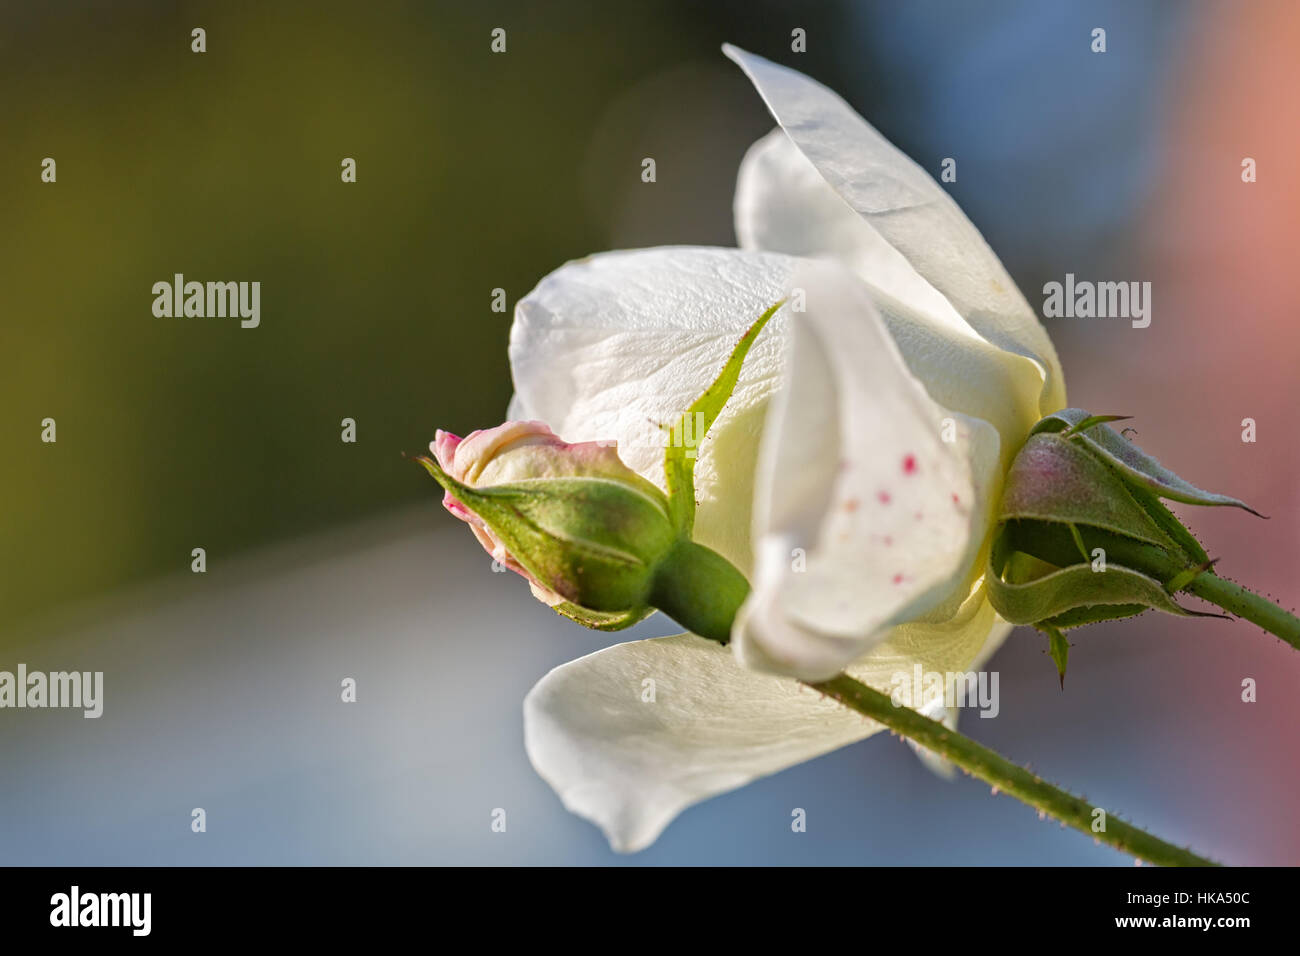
point(1083, 535)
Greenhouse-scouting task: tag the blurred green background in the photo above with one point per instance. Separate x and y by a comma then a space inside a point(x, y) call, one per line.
point(475, 171)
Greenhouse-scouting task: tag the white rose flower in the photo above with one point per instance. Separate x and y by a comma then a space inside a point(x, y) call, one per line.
point(852, 476)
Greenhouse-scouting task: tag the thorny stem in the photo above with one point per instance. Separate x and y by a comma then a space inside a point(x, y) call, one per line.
point(1235, 599)
point(996, 770)
point(714, 583)
point(1159, 564)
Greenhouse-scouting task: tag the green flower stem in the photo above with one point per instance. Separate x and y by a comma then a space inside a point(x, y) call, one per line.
point(1235, 599)
point(702, 591)
point(994, 769)
point(1050, 545)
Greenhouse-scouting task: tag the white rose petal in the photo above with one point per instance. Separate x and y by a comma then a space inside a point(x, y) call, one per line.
point(901, 394)
point(631, 766)
point(784, 205)
point(903, 204)
point(865, 516)
point(611, 346)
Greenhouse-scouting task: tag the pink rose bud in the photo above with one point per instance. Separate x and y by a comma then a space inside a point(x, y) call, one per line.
point(580, 525)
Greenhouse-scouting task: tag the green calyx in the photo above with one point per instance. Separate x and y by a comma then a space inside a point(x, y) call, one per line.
point(685, 435)
point(593, 541)
point(1083, 535)
point(612, 546)
point(694, 585)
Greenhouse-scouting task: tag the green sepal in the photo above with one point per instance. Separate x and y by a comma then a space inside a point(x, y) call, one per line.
point(594, 541)
point(1078, 542)
point(1059, 648)
point(1055, 479)
point(1121, 454)
point(1086, 423)
point(1076, 486)
point(1171, 526)
point(603, 620)
point(679, 460)
point(1048, 597)
point(1081, 616)
point(1184, 578)
point(1030, 550)
point(1065, 495)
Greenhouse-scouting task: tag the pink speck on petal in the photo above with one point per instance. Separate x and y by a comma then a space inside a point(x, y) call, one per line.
point(955, 499)
point(909, 465)
point(898, 579)
point(889, 541)
point(883, 497)
point(851, 505)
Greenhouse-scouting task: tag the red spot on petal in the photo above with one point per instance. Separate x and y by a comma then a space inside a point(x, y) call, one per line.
point(883, 497)
point(898, 579)
point(851, 505)
point(955, 499)
point(918, 516)
point(889, 541)
point(909, 465)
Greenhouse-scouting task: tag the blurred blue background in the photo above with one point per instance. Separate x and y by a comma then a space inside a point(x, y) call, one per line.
point(476, 172)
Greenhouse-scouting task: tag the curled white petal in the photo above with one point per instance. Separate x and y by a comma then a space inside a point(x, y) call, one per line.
point(783, 204)
point(872, 501)
point(897, 201)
